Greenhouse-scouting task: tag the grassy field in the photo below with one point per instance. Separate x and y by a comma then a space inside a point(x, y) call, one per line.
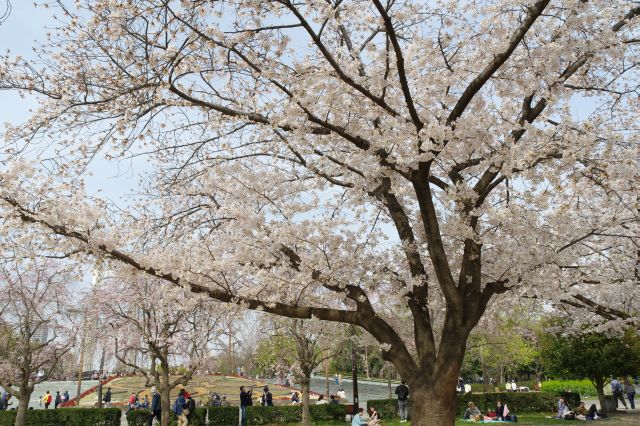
point(199, 387)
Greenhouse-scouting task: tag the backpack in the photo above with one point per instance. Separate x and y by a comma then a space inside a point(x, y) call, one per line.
point(512, 418)
point(570, 416)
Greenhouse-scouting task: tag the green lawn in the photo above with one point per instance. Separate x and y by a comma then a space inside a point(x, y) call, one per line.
point(522, 420)
point(632, 418)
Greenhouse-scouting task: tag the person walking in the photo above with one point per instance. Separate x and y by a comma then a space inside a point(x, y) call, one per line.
point(46, 400)
point(616, 390)
point(156, 407)
point(107, 398)
point(402, 391)
point(630, 390)
point(58, 400)
point(180, 409)
point(65, 396)
point(191, 406)
point(245, 401)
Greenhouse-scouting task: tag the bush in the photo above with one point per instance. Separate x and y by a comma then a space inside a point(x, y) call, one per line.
point(280, 414)
point(583, 387)
point(259, 415)
point(328, 412)
point(223, 416)
point(7, 418)
point(518, 402)
point(140, 417)
point(66, 416)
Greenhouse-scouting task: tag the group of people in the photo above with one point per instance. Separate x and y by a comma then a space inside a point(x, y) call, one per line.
point(622, 387)
point(134, 401)
point(183, 407)
point(501, 413)
point(47, 399)
point(580, 413)
point(359, 419)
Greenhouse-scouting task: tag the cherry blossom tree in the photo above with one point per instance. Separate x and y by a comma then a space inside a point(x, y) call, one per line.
point(37, 326)
point(399, 166)
point(155, 328)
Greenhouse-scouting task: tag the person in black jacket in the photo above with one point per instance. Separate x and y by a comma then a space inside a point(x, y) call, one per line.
point(191, 406)
point(268, 397)
point(156, 407)
point(107, 398)
point(245, 401)
point(499, 411)
point(403, 399)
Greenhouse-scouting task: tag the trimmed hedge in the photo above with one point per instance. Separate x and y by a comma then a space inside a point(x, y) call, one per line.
point(66, 416)
point(280, 414)
point(140, 417)
point(328, 412)
point(583, 387)
point(518, 402)
point(259, 415)
point(224, 416)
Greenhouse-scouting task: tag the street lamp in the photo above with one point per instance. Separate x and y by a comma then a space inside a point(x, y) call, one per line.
point(354, 371)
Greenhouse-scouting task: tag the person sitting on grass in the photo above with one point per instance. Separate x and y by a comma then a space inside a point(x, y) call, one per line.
point(501, 411)
point(472, 412)
point(374, 417)
point(562, 409)
point(358, 419)
point(594, 414)
point(334, 400)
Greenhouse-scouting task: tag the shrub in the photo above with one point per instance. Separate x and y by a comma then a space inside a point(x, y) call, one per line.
point(140, 417)
point(7, 418)
point(223, 416)
point(66, 416)
point(280, 414)
point(137, 417)
point(583, 387)
point(518, 402)
point(328, 412)
point(258, 415)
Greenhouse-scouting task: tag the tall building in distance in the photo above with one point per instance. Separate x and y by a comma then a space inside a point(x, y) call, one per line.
point(41, 335)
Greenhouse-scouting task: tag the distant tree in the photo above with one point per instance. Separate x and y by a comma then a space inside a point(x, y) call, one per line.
point(275, 353)
point(594, 356)
point(156, 330)
point(36, 327)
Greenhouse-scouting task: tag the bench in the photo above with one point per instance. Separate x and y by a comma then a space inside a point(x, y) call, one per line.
point(350, 410)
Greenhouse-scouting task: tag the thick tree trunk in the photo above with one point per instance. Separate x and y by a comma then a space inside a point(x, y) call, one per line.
point(165, 399)
point(306, 416)
point(433, 405)
point(23, 409)
point(432, 391)
point(599, 385)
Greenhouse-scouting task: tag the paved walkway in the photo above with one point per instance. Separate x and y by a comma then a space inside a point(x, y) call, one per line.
point(42, 388)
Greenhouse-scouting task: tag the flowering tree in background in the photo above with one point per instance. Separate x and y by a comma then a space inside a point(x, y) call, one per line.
point(36, 327)
point(156, 328)
point(392, 165)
